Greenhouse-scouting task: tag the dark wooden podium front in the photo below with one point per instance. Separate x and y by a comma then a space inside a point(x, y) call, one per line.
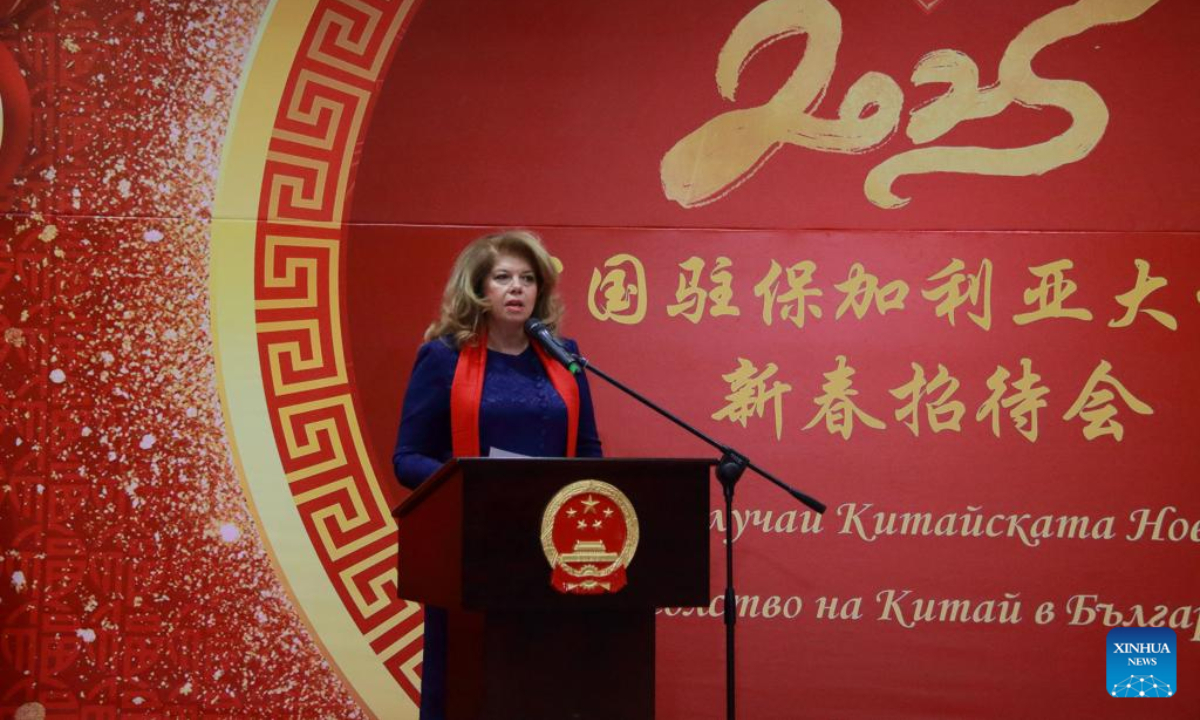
point(470, 542)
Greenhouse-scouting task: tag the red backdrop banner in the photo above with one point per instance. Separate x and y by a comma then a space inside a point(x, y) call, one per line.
point(933, 262)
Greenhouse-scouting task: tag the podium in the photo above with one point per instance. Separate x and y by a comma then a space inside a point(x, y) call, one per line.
point(470, 541)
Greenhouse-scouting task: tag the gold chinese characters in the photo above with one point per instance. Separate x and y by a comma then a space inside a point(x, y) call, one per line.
point(1014, 402)
point(790, 292)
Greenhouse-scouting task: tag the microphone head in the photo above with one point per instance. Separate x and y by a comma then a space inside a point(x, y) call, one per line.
point(533, 326)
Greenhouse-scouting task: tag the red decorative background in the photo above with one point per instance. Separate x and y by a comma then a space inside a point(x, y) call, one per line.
point(135, 581)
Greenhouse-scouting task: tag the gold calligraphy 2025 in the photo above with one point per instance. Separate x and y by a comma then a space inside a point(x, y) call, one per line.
point(728, 149)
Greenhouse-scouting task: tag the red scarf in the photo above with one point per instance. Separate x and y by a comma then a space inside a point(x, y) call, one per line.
point(467, 391)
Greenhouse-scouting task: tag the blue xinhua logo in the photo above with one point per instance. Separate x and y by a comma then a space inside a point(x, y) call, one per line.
point(1141, 662)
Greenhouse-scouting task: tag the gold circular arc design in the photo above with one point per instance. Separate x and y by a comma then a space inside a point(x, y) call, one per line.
point(288, 404)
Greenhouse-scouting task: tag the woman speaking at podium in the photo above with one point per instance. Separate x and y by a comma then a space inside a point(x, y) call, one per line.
point(479, 386)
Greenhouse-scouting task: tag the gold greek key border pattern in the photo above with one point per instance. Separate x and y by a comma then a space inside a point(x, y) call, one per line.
point(299, 313)
point(353, 31)
point(298, 305)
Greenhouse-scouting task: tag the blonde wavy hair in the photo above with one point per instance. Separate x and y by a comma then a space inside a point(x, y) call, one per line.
point(463, 304)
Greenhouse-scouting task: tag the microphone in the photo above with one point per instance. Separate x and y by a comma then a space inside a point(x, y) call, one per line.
point(537, 330)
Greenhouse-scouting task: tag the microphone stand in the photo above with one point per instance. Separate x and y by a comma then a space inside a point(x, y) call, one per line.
point(729, 470)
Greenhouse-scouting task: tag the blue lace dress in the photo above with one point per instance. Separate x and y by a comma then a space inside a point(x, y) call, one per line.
point(520, 412)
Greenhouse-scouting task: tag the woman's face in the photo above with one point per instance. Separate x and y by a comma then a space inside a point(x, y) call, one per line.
point(511, 291)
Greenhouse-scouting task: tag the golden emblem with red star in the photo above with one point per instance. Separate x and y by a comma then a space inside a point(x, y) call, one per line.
point(589, 535)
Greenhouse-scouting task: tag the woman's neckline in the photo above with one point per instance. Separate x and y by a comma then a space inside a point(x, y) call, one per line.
point(527, 349)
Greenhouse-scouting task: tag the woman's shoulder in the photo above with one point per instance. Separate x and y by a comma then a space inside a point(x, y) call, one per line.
point(438, 350)
point(444, 344)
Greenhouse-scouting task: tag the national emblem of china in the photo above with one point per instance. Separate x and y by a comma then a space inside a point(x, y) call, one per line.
point(589, 535)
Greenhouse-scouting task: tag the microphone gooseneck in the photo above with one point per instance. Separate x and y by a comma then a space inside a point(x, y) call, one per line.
point(537, 330)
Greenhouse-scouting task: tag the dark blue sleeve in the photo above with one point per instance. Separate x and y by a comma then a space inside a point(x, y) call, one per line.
point(423, 442)
point(587, 443)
